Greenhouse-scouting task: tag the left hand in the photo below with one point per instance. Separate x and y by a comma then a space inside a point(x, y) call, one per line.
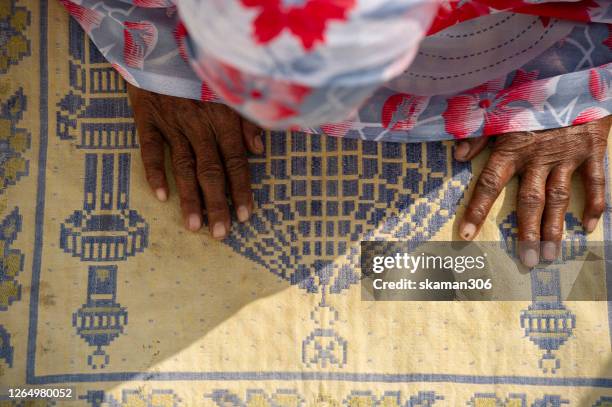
point(208, 149)
point(545, 162)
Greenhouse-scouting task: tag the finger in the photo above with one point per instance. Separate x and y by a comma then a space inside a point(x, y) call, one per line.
point(184, 169)
point(494, 176)
point(530, 206)
point(252, 135)
point(558, 186)
point(211, 177)
point(465, 150)
point(236, 164)
point(152, 151)
point(593, 175)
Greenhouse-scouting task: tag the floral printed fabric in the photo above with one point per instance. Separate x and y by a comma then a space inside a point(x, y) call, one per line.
point(393, 70)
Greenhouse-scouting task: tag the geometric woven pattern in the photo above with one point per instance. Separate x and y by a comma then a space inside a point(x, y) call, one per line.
point(318, 195)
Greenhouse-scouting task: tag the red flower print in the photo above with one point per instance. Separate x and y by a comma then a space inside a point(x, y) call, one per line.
point(608, 41)
point(576, 11)
point(207, 94)
point(401, 111)
point(180, 34)
point(140, 38)
point(265, 99)
point(305, 19)
point(272, 100)
point(455, 11)
point(600, 84)
point(337, 129)
point(226, 79)
point(452, 12)
point(495, 109)
point(590, 114)
point(87, 18)
point(153, 3)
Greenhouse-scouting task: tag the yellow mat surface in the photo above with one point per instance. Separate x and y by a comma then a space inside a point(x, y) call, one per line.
point(103, 291)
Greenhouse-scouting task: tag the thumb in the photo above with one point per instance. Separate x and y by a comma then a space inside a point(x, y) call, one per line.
point(252, 135)
point(467, 149)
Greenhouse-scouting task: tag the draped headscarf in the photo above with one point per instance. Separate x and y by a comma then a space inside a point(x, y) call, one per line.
point(400, 70)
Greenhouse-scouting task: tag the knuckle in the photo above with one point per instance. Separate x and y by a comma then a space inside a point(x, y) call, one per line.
point(597, 180)
point(188, 202)
point(477, 212)
point(210, 172)
point(147, 140)
point(217, 208)
point(183, 164)
point(530, 234)
point(531, 198)
point(150, 156)
point(557, 195)
point(553, 232)
point(236, 164)
point(154, 176)
point(152, 164)
point(597, 206)
point(489, 182)
point(511, 144)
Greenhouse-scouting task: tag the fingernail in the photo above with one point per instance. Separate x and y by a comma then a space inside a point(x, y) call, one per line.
point(468, 231)
point(461, 150)
point(591, 224)
point(530, 258)
point(549, 251)
point(161, 194)
point(258, 144)
point(243, 213)
point(219, 230)
point(194, 222)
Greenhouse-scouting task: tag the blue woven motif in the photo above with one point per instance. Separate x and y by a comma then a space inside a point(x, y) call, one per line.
point(14, 141)
point(155, 398)
point(317, 197)
point(550, 401)
point(14, 41)
point(574, 242)
point(291, 398)
point(547, 322)
point(101, 319)
point(94, 234)
point(11, 260)
point(603, 402)
point(6, 350)
point(106, 229)
point(392, 399)
point(515, 400)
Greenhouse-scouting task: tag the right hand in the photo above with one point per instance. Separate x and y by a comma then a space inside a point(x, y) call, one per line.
point(208, 147)
point(545, 161)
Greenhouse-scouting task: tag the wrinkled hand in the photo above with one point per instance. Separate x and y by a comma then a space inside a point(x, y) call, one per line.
point(545, 162)
point(208, 148)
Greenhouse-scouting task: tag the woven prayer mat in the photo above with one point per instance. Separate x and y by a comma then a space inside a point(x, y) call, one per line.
point(102, 290)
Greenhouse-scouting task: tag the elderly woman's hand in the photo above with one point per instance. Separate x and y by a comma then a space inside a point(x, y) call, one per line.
point(545, 162)
point(208, 148)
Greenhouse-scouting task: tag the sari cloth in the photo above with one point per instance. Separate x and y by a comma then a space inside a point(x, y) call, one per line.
point(389, 70)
